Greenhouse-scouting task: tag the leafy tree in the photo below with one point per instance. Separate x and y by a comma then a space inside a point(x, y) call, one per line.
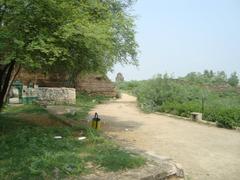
point(233, 79)
point(207, 77)
point(220, 77)
point(208, 74)
point(70, 37)
point(195, 77)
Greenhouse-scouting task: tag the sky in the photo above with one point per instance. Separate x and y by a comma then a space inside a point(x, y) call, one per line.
point(182, 36)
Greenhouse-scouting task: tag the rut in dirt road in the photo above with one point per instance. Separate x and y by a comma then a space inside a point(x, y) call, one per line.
point(206, 153)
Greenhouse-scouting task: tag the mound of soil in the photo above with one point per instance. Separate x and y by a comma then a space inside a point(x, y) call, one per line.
point(41, 120)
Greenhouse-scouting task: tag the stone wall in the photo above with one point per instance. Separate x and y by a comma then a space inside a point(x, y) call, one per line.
point(56, 95)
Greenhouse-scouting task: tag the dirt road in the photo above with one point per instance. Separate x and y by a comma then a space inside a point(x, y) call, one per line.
point(206, 153)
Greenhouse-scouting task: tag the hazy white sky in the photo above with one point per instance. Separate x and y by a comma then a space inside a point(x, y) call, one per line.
point(181, 36)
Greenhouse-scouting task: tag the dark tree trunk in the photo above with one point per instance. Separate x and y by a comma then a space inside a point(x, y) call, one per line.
point(13, 77)
point(5, 78)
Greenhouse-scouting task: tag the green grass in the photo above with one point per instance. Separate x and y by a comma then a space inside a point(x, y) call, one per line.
point(85, 103)
point(29, 151)
point(113, 158)
point(31, 109)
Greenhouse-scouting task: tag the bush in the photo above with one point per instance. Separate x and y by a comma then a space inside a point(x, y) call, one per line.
point(128, 86)
point(181, 98)
point(228, 118)
point(118, 95)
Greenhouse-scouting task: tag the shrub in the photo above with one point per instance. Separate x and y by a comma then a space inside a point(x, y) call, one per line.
point(228, 118)
point(181, 98)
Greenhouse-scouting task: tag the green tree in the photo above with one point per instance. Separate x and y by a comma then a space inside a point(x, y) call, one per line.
point(64, 36)
point(208, 74)
point(233, 79)
point(220, 77)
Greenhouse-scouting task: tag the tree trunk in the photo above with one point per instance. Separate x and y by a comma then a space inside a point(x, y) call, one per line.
point(13, 76)
point(5, 79)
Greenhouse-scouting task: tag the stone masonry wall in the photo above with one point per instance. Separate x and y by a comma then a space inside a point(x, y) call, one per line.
point(56, 95)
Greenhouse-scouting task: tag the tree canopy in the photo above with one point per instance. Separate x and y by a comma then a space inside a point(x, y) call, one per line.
point(210, 77)
point(233, 79)
point(72, 35)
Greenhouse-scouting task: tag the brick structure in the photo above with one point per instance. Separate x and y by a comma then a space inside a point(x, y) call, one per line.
point(96, 84)
point(53, 80)
point(91, 83)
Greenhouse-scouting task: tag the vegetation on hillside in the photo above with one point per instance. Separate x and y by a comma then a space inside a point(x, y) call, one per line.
point(209, 93)
point(212, 78)
point(28, 149)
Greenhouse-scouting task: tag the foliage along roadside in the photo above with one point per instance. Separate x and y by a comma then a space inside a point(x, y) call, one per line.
point(181, 97)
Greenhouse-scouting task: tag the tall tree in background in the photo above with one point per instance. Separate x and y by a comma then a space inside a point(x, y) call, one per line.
point(220, 77)
point(233, 79)
point(70, 36)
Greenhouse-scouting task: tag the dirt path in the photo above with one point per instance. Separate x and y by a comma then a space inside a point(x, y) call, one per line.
point(206, 153)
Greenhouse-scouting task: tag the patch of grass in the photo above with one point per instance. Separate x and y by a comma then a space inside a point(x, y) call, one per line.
point(29, 109)
point(113, 158)
point(29, 151)
point(85, 102)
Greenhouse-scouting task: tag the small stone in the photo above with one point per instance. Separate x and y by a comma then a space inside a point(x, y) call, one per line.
point(57, 137)
point(14, 101)
point(81, 138)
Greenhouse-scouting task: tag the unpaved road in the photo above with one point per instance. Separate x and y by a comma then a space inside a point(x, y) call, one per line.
point(206, 153)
